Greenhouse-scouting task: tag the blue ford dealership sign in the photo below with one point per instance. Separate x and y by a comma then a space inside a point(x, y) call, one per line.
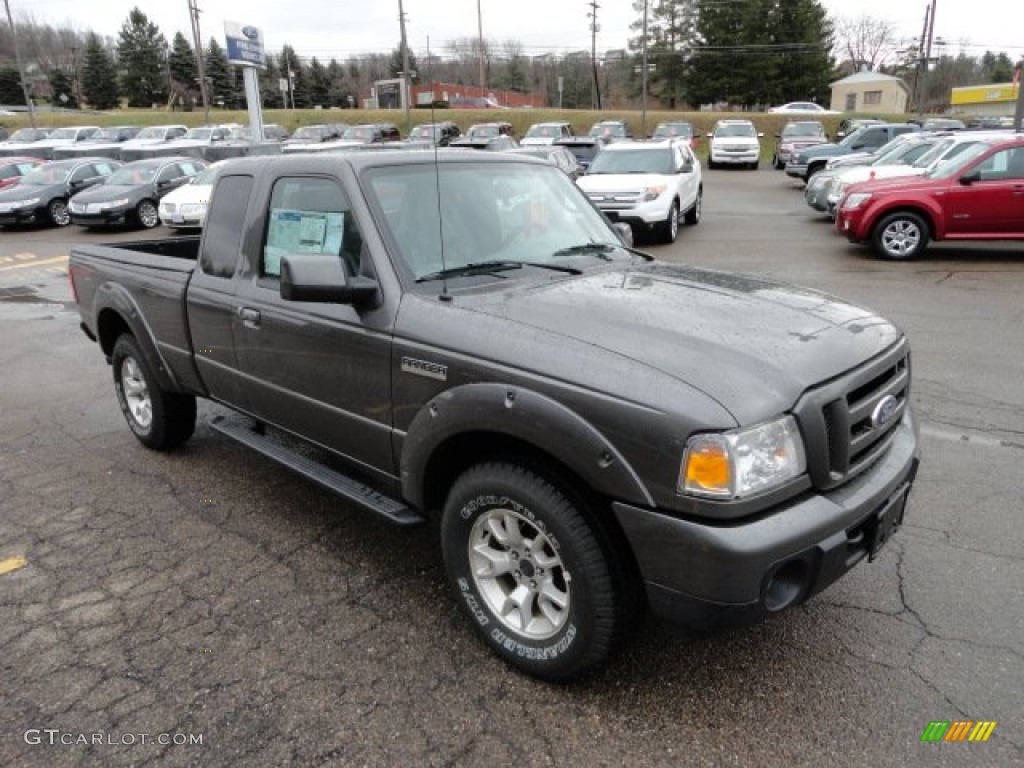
point(245, 45)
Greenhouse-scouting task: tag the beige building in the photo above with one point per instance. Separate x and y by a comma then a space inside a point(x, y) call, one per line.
point(870, 92)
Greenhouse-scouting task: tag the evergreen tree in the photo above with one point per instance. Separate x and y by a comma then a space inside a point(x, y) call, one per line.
point(140, 56)
point(270, 90)
point(99, 75)
point(396, 63)
point(996, 68)
point(220, 76)
point(338, 91)
point(670, 36)
point(61, 92)
point(300, 77)
point(10, 87)
point(319, 83)
point(183, 63)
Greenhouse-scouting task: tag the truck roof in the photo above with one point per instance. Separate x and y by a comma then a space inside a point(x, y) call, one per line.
point(360, 160)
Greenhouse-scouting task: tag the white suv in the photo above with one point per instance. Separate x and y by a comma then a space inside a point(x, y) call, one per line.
point(735, 142)
point(649, 185)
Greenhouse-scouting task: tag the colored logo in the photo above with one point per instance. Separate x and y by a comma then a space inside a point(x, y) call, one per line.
point(958, 730)
point(884, 411)
point(251, 32)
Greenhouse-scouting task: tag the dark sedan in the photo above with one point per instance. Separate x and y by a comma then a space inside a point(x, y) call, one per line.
point(133, 192)
point(42, 196)
point(13, 168)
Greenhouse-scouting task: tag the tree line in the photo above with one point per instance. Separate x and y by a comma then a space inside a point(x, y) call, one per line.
point(736, 53)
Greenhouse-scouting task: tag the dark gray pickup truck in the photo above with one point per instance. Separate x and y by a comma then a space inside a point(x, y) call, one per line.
point(463, 338)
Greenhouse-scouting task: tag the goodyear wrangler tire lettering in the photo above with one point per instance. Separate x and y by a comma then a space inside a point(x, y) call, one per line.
point(530, 570)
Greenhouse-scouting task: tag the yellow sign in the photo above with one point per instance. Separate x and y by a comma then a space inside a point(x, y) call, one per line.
point(983, 94)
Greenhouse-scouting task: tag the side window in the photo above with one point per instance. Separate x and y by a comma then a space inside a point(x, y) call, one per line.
point(103, 169)
point(82, 173)
point(310, 215)
point(190, 168)
point(175, 133)
point(169, 172)
point(9, 172)
point(1005, 164)
point(24, 168)
point(225, 223)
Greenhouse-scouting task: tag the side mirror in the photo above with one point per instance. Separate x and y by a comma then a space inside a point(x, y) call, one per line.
point(686, 167)
point(322, 278)
point(625, 233)
point(970, 177)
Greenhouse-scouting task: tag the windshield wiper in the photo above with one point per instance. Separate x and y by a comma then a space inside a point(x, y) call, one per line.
point(601, 250)
point(485, 267)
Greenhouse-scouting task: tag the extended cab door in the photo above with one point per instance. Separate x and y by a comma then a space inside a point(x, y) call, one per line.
point(320, 370)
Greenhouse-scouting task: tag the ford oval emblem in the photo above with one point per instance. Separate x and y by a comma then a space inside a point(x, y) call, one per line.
point(885, 411)
point(251, 32)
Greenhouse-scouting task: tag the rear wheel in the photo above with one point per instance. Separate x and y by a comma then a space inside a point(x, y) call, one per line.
point(58, 210)
point(900, 236)
point(147, 214)
point(779, 165)
point(160, 420)
point(530, 570)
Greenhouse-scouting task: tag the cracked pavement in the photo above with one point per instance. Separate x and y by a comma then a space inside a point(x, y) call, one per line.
point(209, 592)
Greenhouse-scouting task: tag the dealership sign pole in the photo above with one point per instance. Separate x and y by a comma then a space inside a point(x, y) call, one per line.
point(245, 49)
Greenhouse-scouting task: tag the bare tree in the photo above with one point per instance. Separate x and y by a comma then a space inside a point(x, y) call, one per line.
point(866, 42)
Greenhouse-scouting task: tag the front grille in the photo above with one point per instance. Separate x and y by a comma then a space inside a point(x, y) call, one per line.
point(850, 422)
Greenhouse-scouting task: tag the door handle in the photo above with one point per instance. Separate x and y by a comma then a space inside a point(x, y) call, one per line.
point(250, 317)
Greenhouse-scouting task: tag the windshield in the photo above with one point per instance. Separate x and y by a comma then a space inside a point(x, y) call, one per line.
point(207, 176)
point(483, 132)
point(802, 129)
point(673, 129)
point(488, 211)
point(199, 134)
point(46, 175)
point(647, 160)
point(309, 132)
point(27, 135)
point(897, 152)
point(152, 133)
point(735, 129)
point(107, 134)
point(543, 131)
point(64, 133)
point(937, 150)
point(951, 166)
point(425, 132)
point(950, 150)
point(608, 129)
point(128, 176)
point(360, 132)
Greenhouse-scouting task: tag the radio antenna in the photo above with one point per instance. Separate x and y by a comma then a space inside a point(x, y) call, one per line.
point(445, 296)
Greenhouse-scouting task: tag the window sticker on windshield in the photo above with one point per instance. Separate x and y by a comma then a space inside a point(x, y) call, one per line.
point(293, 231)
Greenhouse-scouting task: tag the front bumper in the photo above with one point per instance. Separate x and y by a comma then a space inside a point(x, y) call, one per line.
point(725, 157)
point(647, 214)
point(796, 170)
point(31, 215)
point(710, 576)
point(102, 218)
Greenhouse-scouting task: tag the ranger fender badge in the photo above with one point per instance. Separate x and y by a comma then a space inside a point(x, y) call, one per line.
point(425, 368)
point(887, 408)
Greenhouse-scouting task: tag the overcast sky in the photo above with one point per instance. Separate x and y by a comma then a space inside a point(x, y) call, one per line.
point(340, 28)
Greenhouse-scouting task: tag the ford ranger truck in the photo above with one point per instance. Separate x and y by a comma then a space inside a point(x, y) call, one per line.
point(463, 340)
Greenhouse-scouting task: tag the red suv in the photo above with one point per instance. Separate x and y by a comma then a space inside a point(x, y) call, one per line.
point(976, 195)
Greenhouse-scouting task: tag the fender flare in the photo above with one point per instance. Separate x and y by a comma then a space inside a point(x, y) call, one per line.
point(116, 298)
point(525, 415)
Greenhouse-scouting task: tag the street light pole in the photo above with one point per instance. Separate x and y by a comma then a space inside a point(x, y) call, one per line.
point(643, 79)
point(21, 71)
point(405, 66)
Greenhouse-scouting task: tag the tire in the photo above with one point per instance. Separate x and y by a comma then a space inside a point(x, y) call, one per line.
point(147, 214)
point(778, 165)
point(531, 572)
point(692, 216)
point(813, 169)
point(669, 228)
point(754, 165)
point(711, 165)
point(160, 420)
point(900, 236)
point(58, 212)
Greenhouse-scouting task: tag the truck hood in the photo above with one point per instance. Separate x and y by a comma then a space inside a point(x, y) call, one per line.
point(822, 150)
point(899, 184)
point(751, 345)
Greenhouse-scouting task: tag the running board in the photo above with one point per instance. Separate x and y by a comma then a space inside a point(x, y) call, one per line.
point(342, 485)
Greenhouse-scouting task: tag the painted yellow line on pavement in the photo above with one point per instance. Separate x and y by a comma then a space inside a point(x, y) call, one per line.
point(24, 256)
point(12, 564)
point(33, 264)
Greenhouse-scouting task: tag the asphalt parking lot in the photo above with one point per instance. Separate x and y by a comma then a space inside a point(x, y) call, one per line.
point(208, 608)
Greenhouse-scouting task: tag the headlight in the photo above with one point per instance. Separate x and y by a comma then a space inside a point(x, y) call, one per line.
point(819, 180)
point(856, 200)
point(25, 203)
point(651, 193)
point(114, 204)
point(736, 464)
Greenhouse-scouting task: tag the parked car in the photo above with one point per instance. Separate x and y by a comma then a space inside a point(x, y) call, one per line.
point(13, 168)
point(441, 134)
point(546, 133)
point(975, 195)
point(677, 129)
point(907, 148)
point(311, 134)
point(584, 148)
point(186, 206)
point(107, 142)
point(490, 144)
point(354, 135)
point(59, 137)
point(43, 193)
point(610, 130)
point(132, 193)
point(490, 130)
point(734, 142)
point(274, 132)
point(795, 136)
point(558, 156)
point(850, 124)
point(807, 162)
point(804, 108)
point(155, 135)
point(649, 185)
point(942, 124)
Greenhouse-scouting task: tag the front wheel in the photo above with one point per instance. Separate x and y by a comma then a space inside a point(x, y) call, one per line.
point(59, 214)
point(900, 236)
point(692, 216)
point(147, 214)
point(670, 227)
point(161, 420)
point(529, 569)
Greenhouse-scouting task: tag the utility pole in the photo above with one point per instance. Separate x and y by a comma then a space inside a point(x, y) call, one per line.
point(643, 79)
point(21, 71)
point(290, 96)
point(922, 62)
point(480, 43)
point(1018, 113)
point(75, 88)
point(594, 27)
point(405, 66)
point(197, 39)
